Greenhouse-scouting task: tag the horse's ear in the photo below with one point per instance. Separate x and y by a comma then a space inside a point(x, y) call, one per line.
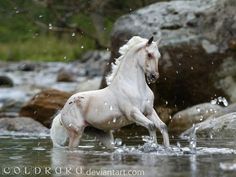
point(158, 41)
point(150, 41)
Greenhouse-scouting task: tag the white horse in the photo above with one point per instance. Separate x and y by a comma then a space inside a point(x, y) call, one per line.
point(127, 99)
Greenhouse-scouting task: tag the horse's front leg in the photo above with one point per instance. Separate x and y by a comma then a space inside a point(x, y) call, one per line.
point(137, 116)
point(161, 126)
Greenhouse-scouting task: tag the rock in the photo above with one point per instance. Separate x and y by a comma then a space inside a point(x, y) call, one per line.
point(223, 127)
point(226, 110)
point(44, 105)
point(65, 75)
point(12, 99)
point(197, 63)
point(165, 113)
point(89, 84)
point(95, 62)
point(22, 125)
point(27, 66)
point(185, 119)
point(5, 81)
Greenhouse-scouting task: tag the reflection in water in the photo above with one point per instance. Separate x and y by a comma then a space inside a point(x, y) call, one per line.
point(93, 160)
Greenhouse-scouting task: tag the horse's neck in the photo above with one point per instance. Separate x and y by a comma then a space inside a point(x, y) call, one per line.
point(130, 73)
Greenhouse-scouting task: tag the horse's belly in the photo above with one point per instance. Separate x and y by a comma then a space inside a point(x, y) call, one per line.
point(111, 123)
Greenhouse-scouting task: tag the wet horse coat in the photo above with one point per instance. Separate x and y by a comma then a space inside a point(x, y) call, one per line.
point(127, 99)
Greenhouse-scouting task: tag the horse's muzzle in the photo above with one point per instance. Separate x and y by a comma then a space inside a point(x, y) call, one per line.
point(152, 77)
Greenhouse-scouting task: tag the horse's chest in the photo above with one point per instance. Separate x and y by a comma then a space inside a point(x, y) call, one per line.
point(144, 104)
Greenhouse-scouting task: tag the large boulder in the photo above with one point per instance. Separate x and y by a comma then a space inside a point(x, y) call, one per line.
point(223, 127)
point(198, 48)
point(95, 62)
point(44, 105)
point(185, 119)
point(22, 126)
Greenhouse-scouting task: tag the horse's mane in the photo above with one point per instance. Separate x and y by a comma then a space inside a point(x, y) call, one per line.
point(123, 50)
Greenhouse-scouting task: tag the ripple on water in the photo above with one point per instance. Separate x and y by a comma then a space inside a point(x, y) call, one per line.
point(39, 149)
point(15, 157)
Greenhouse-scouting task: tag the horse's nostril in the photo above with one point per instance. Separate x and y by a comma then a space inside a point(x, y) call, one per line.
point(153, 76)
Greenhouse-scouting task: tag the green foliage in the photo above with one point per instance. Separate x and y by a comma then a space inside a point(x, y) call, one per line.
point(45, 48)
point(25, 33)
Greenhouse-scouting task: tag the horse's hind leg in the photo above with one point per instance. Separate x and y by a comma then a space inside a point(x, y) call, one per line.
point(106, 138)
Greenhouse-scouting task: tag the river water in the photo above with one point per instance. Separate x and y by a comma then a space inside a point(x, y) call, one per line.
point(32, 156)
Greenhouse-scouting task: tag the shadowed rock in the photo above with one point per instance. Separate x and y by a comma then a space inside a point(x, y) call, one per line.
point(198, 48)
point(5, 81)
point(43, 106)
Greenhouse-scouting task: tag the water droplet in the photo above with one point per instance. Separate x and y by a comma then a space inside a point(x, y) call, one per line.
point(73, 34)
point(114, 120)
point(105, 103)
point(211, 136)
point(111, 108)
point(193, 140)
point(40, 16)
point(82, 47)
point(177, 72)
point(178, 144)
point(213, 101)
point(70, 125)
point(201, 118)
point(50, 26)
point(17, 11)
point(191, 67)
point(166, 102)
point(118, 142)
point(65, 57)
point(198, 109)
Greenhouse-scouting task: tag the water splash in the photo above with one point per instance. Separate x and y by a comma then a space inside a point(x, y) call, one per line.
point(118, 142)
point(193, 140)
point(220, 100)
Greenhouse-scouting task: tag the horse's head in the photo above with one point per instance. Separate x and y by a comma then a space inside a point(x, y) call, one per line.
point(149, 62)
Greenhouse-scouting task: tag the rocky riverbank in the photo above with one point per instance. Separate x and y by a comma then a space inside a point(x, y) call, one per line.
point(197, 69)
point(37, 90)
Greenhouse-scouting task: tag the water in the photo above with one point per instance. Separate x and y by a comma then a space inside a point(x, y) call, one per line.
point(137, 155)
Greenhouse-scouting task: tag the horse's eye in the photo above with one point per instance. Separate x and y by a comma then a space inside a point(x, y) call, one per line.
point(150, 55)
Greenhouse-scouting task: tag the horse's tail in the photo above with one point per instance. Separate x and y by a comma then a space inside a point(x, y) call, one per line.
point(58, 133)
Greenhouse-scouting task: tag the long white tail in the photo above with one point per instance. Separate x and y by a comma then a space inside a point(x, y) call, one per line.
point(58, 132)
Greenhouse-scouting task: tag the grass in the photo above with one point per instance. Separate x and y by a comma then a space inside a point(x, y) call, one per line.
point(45, 48)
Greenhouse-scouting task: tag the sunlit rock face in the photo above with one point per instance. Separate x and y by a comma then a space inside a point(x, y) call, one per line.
point(222, 127)
point(185, 119)
point(198, 48)
point(21, 126)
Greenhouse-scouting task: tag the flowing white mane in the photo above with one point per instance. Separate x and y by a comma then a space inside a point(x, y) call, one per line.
point(123, 50)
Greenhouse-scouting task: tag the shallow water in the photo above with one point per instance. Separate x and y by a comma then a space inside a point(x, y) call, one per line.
point(21, 156)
